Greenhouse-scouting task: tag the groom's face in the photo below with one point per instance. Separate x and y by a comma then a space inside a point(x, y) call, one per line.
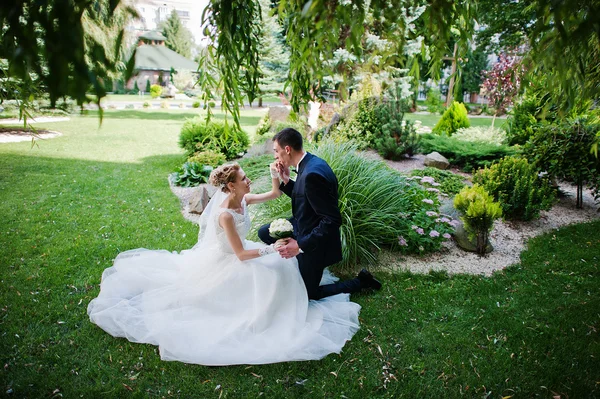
point(282, 154)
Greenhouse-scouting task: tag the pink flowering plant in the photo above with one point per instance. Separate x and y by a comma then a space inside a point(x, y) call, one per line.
point(503, 81)
point(423, 229)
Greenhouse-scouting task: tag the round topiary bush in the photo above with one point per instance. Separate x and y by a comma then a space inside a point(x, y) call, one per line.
point(454, 118)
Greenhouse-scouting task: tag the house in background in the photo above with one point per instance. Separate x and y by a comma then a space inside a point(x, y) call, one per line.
point(154, 61)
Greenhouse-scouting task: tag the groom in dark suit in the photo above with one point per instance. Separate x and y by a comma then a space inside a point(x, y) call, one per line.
point(316, 220)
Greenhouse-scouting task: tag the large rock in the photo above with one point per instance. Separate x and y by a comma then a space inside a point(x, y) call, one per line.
point(199, 199)
point(461, 237)
point(436, 160)
point(279, 113)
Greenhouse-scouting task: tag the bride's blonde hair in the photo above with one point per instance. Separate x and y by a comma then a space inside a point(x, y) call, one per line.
point(224, 174)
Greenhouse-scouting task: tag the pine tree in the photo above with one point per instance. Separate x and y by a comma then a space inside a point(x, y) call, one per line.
point(179, 38)
point(274, 56)
point(148, 85)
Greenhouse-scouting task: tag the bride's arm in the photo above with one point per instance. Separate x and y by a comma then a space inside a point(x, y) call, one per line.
point(270, 195)
point(226, 221)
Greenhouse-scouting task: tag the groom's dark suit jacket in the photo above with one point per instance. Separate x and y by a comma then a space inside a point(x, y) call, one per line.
point(314, 197)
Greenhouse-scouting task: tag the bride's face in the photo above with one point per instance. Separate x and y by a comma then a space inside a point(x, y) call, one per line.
point(242, 183)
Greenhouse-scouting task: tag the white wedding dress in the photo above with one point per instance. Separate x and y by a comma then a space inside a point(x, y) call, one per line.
point(205, 306)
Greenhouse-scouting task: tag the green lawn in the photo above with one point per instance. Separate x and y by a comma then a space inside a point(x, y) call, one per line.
point(69, 205)
point(432, 119)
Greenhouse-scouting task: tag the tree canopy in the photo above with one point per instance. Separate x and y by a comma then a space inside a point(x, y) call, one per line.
point(63, 47)
point(179, 38)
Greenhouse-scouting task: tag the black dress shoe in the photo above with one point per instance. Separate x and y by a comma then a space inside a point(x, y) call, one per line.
point(367, 280)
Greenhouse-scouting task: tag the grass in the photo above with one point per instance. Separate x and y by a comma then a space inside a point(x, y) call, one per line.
point(70, 205)
point(431, 120)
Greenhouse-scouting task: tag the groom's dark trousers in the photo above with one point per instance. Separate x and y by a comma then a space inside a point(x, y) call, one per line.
point(316, 222)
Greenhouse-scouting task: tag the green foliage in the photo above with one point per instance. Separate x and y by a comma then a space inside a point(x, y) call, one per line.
point(264, 126)
point(446, 181)
point(563, 150)
point(468, 155)
point(67, 47)
point(234, 46)
point(299, 125)
point(197, 135)
point(136, 88)
point(148, 86)
point(191, 174)
point(478, 211)
point(362, 126)
point(179, 38)
point(471, 76)
point(397, 137)
point(454, 118)
point(481, 134)
point(208, 157)
point(146, 104)
point(379, 208)
point(519, 187)
point(155, 91)
point(196, 104)
point(434, 102)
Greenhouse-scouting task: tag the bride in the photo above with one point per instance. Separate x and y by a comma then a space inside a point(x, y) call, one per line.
point(227, 300)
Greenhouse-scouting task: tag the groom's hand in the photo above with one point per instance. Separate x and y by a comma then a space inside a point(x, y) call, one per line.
point(289, 249)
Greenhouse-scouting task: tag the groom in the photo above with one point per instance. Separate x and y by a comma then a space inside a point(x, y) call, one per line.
point(316, 218)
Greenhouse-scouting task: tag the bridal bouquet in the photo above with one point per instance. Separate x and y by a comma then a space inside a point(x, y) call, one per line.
point(281, 228)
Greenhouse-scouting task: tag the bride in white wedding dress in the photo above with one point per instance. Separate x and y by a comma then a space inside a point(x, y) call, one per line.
point(227, 300)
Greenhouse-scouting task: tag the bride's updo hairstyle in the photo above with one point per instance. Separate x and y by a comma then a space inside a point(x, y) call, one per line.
point(224, 174)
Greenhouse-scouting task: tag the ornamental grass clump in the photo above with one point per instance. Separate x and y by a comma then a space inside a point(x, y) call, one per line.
point(197, 136)
point(479, 210)
point(519, 187)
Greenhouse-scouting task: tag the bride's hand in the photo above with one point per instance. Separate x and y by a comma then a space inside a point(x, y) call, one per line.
point(284, 172)
point(274, 170)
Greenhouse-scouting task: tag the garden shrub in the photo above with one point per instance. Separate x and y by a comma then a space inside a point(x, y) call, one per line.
point(208, 157)
point(155, 91)
point(299, 125)
point(397, 137)
point(361, 126)
point(148, 86)
point(453, 119)
point(434, 102)
point(519, 187)
point(146, 104)
point(478, 211)
point(468, 155)
point(563, 150)
point(264, 125)
point(136, 88)
point(380, 208)
point(522, 121)
point(482, 134)
point(196, 135)
point(196, 104)
point(445, 181)
point(191, 174)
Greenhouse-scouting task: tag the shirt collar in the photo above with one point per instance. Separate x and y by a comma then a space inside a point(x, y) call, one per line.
point(303, 156)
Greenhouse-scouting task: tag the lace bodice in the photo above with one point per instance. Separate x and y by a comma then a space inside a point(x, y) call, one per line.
point(242, 225)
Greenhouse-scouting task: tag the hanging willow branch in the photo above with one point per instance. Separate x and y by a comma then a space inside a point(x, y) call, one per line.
point(233, 26)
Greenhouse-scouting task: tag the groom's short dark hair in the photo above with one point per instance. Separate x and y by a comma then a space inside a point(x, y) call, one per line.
point(289, 136)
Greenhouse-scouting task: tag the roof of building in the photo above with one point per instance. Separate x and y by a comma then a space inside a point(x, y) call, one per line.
point(161, 58)
point(153, 35)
